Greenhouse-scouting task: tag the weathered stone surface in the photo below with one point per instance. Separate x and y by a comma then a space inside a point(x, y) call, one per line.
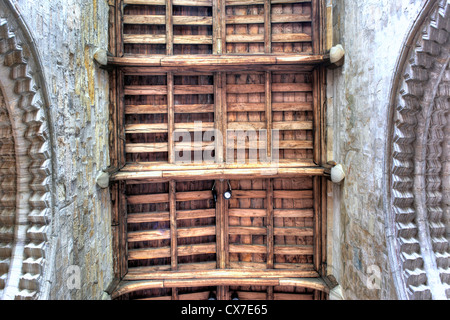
point(371, 32)
point(67, 33)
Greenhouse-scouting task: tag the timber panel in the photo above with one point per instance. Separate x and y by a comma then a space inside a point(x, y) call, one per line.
point(217, 27)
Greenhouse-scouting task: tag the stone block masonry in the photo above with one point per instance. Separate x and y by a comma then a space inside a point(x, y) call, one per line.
point(67, 34)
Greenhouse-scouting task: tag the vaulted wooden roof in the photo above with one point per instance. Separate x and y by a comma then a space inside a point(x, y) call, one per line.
point(253, 72)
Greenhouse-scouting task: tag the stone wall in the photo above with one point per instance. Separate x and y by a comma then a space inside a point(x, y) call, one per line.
point(66, 34)
point(372, 33)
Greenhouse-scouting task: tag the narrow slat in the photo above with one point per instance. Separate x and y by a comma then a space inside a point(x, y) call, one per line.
point(169, 27)
point(270, 224)
point(245, 88)
point(252, 213)
point(145, 90)
point(293, 250)
point(238, 194)
point(146, 128)
point(294, 213)
point(148, 217)
point(293, 125)
point(170, 117)
point(297, 232)
point(193, 3)
point(164, 252)
point(246, 107)
point(246, 248)
point(247, 230)
point(148, 198)
point(144, 19)
point(293, 194)
point(192, 20)
point(146, 147)
point(283, 18)
point(243, 38)
point(192, 39)
point(291, 37)
point(146, 2)
point(246, 125)
point(295, 145)
point(196, 232)
point(194, 195)
point(291, 87)
point(144, 38)
point(295, 106)
point(194, 108)
point(145, 109)
point(245, 19)
point(173, 226)
point(195, 214)
point(193, 89)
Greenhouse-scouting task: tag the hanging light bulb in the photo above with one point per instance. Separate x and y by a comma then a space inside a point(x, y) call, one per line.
point(227, 194)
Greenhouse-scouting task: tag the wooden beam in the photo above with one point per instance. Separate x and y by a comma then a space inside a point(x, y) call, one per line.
point(131, 286)
point(267, 27)
point(173, 226)
point(270, 224)
point(186, 61)
point(143, 274)
point(268, 107)
point(169, 28)
point(170, 117)
point(164, 252)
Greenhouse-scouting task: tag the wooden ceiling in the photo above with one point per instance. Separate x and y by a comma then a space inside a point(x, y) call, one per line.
point(235, 67)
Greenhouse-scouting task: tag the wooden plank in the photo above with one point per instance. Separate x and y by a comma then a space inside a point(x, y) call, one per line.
point(146, 147)
point(194, 89)
point(192, 20)
point(194, 195)
point(246, 126)
point(295, 145)
point(291, 37)
point(148, 198)
point(219, 282)
point(270, 224)
point(145, 109)
point(146, 128)
point(246, 107)
point(137, 236)
point(169, 28)
point(295, 106)
point(193, 3)
point(268, 104)
point(173, 226)
point(144, 19)
point(144, 274)
point(250, 213)
point(292, 87)
point(196, 214)
point(267, 27)
point(242, 194)
point(194, 108)
point(245, 88)
point(295, 232)
point(293, 213)
point(245, 19)
point(284, 18)
point(148, 217)
point(293, 125)
point(293, 194)
point(246, 248)
point(170, 117)
point(145, 90)
point(164, 252)
point(192, 39)
point(196, 232)
point(144, 38)
point(293, 250)
point(233, 230)
point(242, 38)
point(146, 2)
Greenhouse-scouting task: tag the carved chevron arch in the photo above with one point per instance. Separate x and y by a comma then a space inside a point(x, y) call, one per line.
point(26, 181)
point(418, 153)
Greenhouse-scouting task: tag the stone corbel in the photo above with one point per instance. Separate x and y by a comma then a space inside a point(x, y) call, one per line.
point(337, 57)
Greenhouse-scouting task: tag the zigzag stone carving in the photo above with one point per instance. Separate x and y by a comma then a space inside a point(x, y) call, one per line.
point(26, 163)
point(418, 152)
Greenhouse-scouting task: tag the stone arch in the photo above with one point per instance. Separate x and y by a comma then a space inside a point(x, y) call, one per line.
point(26, 181)
point(417, 159)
